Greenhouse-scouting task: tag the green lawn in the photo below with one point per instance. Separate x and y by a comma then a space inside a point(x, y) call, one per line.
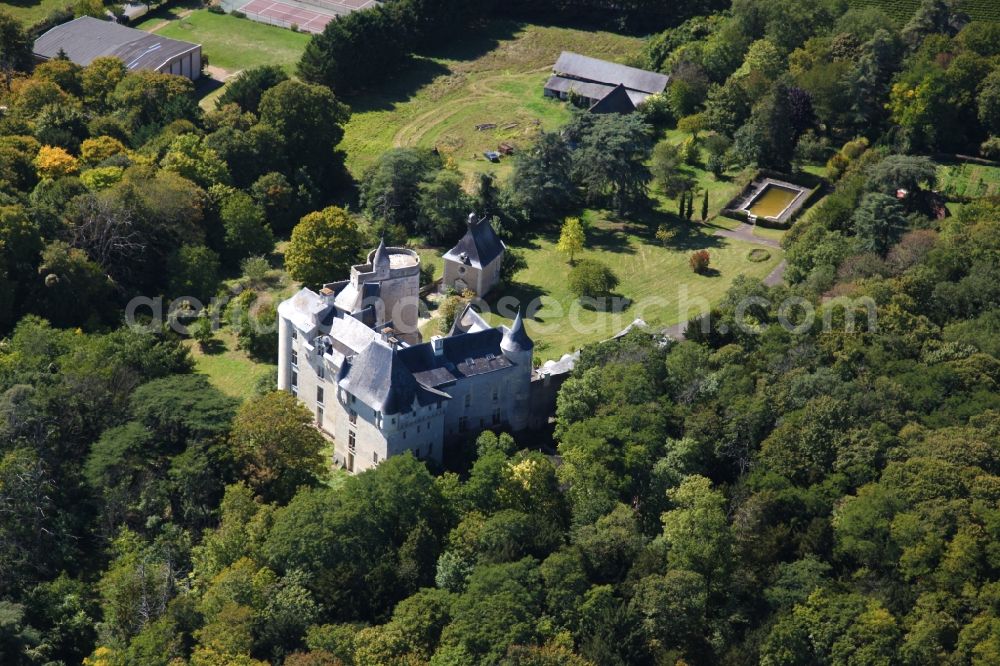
point(29, 12)
point(228, 369)
point(489, 77)
point(647, 270)
point(231, 43)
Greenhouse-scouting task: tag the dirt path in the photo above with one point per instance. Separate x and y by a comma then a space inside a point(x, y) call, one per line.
point(777, 276)
point(182, 15)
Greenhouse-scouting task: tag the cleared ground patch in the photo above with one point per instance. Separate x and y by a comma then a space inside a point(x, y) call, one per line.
point(490, 78)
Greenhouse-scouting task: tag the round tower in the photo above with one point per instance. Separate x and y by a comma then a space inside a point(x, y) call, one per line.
point(518, 348)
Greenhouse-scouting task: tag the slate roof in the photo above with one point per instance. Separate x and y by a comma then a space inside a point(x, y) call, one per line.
point(468, 321)
point(616, 101)
point(515, 338)
point(590, 90)
point(86, 38)
point(381, 257)
point(378, 377)
point(464, 355)
point(576, 66)
point(478, 247)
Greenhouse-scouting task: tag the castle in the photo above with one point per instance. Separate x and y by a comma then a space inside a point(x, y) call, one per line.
point(352, 353)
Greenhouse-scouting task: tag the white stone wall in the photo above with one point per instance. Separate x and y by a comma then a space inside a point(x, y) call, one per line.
point(489, 276)
point(455, 270)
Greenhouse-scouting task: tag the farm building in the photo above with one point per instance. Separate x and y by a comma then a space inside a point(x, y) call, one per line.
point(86, 38)
point(623, 88)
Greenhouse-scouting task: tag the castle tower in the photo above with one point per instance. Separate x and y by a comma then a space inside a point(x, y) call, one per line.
point(518, 348)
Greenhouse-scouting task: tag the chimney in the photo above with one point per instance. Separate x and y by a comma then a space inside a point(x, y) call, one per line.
point(438, 343)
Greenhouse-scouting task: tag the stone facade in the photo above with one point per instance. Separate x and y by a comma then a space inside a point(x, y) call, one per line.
point(351, 353)
point(474, 263)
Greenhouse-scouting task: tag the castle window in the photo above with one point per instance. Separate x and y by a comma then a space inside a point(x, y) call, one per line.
point(319, 394)
point(374, 457)
point(352, 416)
point(295, 383)
point(496, 417)
point(295, 359)
point(496, 393)
point(351, 441)
point(295, 333)
point(468, 400)
point(321, 370)
point(463, 423)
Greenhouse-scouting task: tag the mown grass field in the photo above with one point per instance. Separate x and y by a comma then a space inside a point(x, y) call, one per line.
point(490, 77)
point(902, 10)
point(29, 12)
point(652, 276)
point(230, 43)
point(228, 369)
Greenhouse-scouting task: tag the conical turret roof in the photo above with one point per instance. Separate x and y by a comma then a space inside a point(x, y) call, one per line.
point(515, 338)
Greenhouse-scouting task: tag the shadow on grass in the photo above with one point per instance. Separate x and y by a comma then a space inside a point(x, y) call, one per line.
point(471, 44)
point(419, 69)
point(212, 347)
point(612, 303)
point(166, 12)
point(205, 86)
point(524, 294)
point(612, 240)
point(688, 234)
point(414, 73)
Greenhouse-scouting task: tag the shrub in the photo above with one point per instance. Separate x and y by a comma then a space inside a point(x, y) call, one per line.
point(202, 330)
point(699, 261)
point(255, 269)
point(990, 148)
point(592, 279)
point(758, 255)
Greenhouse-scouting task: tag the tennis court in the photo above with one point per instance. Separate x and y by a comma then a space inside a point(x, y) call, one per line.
point(308, 15)
point(286, 15)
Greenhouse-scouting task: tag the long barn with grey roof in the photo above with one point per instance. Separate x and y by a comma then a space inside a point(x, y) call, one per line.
point(598, 80)
point(85, 39)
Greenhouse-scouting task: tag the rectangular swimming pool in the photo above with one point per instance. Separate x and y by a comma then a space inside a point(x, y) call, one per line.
point(772, 201)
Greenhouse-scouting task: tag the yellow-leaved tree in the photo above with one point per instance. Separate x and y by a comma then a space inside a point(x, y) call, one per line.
point(55, 162)
point(571, 238)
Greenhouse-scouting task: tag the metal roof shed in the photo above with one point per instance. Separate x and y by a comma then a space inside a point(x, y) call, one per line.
point(84, 39)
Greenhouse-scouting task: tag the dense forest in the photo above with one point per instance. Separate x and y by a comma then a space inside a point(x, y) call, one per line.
point(777, 489)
